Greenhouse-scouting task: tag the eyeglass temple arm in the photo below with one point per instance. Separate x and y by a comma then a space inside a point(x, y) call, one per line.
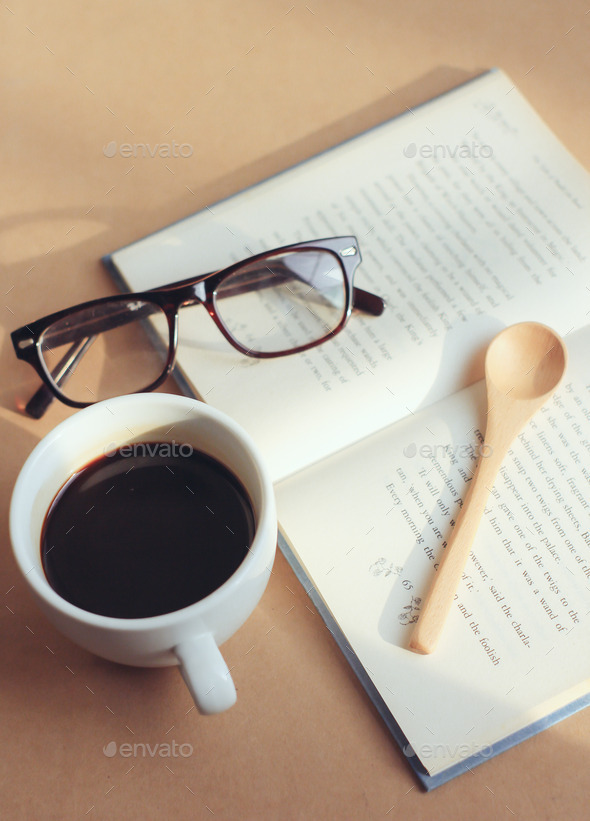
point(367, 302)
point(42, 398)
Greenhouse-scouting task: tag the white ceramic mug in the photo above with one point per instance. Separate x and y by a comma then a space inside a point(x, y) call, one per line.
point(190, 636)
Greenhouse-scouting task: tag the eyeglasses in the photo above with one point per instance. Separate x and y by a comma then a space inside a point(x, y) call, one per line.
point(273, 304)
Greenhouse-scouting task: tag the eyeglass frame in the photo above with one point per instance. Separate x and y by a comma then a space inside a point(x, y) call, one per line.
point(176, 295)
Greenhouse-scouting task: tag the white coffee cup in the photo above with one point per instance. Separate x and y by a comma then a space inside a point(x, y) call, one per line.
point(189, 637)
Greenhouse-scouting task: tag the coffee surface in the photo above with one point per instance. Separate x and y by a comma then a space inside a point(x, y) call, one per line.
point(146, 533)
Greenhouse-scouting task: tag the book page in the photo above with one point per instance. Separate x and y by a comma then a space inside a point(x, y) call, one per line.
point(470, 215)
point(369, 526)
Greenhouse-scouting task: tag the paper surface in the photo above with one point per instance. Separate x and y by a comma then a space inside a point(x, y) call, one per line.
point(470, 216)
point(369, 526)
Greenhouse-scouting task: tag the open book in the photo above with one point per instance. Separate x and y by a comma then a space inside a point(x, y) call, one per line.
point(470, 216)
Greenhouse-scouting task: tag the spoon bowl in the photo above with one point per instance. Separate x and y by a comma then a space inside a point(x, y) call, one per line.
point(524, 365)
point(525, 361)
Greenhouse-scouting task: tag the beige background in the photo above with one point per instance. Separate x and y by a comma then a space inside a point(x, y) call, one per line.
point(251, 88)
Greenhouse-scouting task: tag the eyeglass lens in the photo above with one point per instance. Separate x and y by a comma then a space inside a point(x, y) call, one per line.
point(284, 301)
point(100, 352)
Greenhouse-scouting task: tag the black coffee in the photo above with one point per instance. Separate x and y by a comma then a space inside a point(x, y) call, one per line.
point(148, 530)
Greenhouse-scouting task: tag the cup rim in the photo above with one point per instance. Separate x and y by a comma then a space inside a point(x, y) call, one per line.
point(34, 575)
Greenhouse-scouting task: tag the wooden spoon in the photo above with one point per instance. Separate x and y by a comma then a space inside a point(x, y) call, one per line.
point(523, 367)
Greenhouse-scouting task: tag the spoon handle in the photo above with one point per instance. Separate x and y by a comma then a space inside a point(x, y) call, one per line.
point(444, 585)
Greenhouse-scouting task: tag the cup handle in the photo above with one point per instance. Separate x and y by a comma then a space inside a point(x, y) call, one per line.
point(205, 673)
